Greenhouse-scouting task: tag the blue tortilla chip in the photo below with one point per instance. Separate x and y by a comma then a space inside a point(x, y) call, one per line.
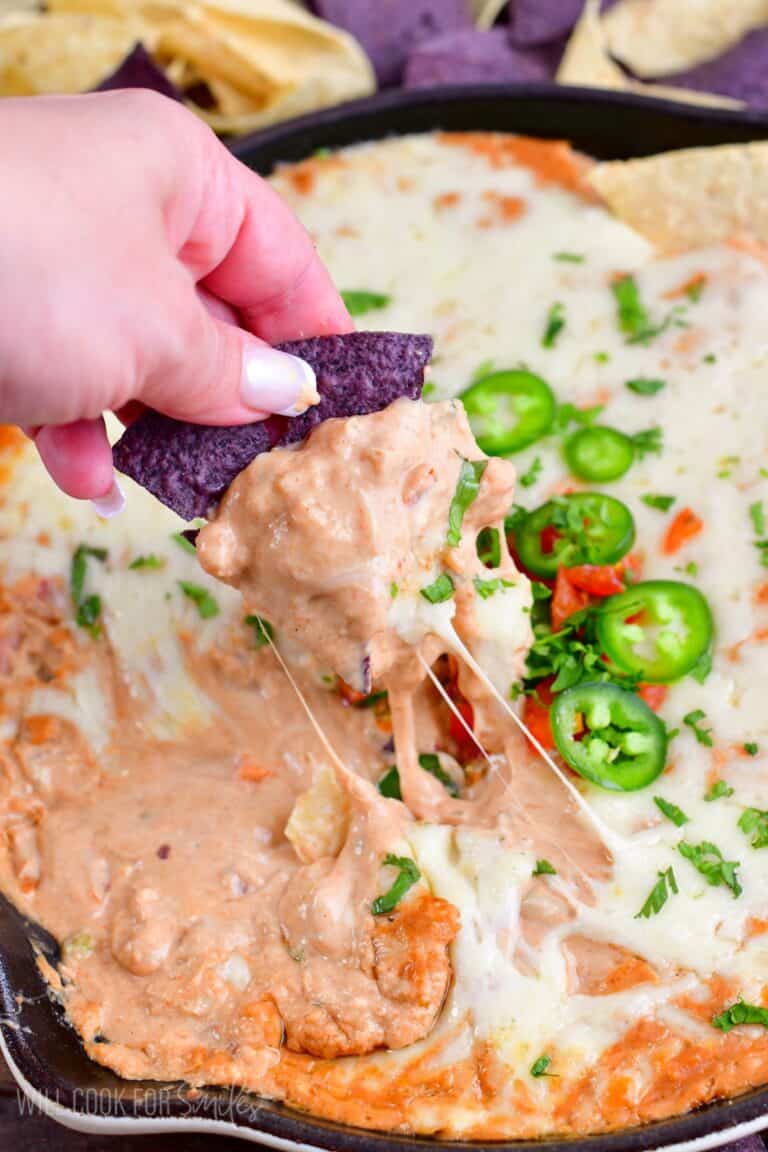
point(389, 29)
point(741, 72)
point(471, 56)
point(189, 467)
point(534, 22)
point(139, 70)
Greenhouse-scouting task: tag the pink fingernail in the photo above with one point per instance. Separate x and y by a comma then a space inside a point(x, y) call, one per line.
point(277, 382)
point(112, 503)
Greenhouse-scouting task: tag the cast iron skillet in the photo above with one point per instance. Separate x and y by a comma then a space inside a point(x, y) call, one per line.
point(42, 1051)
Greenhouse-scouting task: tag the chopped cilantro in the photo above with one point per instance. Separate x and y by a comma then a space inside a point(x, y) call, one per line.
point(408, 875)
point(487, 588)
point(87, 608)
point(359, 302)
point(540, 1066)
point(659, 894)
point(439, 590)
point(693, 720)
point(702, 667)
point(569, 257)
point(540, 591)
point(644, 386)
point(394, 590)
point(148, 561)
point(571, 655)
point(649, 440)
point(514, 518)
point(544, 868)
point(602, 357)
point(632, 316)
point(430, 762)
point(707, 859)
point(710, 358)
point(263, 631)
point(757, 516)
point(751, 748)
point(428, 389)
point(671, 811)
point(554, 325)
point(754, 822)
point(183, 542)
point(762, 547)
point(695, 288)
point(719, 790)
point(467, 488)
point(740, 1013)
point(567, 414)
point(663, 503)
point(389, 785)
point(201, 598)
point(529, 478)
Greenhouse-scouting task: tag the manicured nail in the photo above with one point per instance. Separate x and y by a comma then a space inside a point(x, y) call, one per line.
point(111, 503)
point(277, 382)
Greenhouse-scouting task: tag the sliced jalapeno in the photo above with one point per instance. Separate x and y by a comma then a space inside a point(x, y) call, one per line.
point(657, 629)
point(599, 454)
point(582, 528)
point(509, 410)
point(609, 736)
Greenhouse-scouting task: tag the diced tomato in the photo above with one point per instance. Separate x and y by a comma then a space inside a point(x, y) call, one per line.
point(349, 695)
point(466, 748)
point(549, 537)
point(596, 579)
point(536, 715)
point(683, 528)
point(566, 600)
point(653, 694)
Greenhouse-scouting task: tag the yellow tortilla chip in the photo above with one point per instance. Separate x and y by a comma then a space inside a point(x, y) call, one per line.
point(263, 60)
point(319, 820)
point(63, 53)
point(587, 61)
point(484, 12)
point(683, 200)
point(658, 37)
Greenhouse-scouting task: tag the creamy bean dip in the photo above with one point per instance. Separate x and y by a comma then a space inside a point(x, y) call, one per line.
point(293, 840)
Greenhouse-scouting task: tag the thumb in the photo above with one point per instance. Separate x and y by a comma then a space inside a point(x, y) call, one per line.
point(215, 372)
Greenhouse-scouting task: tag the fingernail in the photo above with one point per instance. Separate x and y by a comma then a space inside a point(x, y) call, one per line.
point(277, 382)
point(111, 503)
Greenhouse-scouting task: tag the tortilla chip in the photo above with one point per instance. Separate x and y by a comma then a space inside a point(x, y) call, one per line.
point(319, 819)
point(472, 55)
point(587, 61)
point(536, 22)
point(64, 53)
point(248, 63)
point(389, 29)
point(683, 200)
point(740, 73)
point(189, 467)
point(486, 12)
point(659, 37)
point(138, 70)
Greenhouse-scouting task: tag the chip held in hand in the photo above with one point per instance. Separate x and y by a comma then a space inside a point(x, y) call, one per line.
point(189, 467)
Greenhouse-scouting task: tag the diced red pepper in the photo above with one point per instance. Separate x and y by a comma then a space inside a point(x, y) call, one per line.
point(654, 695)
point(566, 600)
point(348, 694)
point(683, 528)
point(596, 579)
point(536, 715)
point(549, 537)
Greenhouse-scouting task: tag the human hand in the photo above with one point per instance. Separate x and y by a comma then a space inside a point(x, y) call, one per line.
point(131, 241)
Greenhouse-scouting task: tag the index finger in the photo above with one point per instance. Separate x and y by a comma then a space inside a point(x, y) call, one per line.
point(267, 266)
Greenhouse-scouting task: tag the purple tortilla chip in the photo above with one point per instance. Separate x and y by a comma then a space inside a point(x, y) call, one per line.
point(389, 29)
point(139, 70)
point(535, 22)
point(741, 72)
point(190, 466)
point(473, 56)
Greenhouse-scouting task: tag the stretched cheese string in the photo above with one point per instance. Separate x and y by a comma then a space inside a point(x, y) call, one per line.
point(457, 713)
point(610, 838)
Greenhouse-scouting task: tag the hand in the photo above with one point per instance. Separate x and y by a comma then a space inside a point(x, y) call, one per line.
point(139, 261)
